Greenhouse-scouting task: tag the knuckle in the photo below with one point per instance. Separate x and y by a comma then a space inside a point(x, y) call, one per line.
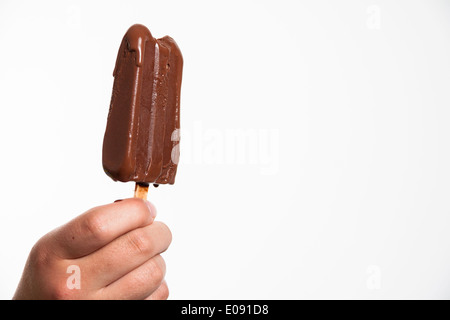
point(94, 226)
point(139, 241)
point(60, 292)
point(40, 257)
point(150, 277)
point(158, 269)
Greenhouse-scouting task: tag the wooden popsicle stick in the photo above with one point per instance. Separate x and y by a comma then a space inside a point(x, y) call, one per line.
point(141, 190)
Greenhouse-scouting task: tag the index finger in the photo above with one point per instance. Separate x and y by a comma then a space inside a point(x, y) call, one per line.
point(99, 226)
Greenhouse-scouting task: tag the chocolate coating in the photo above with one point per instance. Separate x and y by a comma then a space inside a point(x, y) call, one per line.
point(141, 141)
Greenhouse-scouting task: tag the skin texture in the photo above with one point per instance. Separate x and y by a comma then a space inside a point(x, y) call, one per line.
point(117, 248)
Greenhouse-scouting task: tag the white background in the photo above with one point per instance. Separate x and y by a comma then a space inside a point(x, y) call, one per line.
point(337, 185)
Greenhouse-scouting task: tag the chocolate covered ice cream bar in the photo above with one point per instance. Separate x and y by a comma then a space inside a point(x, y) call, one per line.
point(141, 141)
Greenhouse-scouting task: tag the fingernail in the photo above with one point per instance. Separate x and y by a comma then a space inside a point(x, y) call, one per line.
point(118, 200)
point(152, 209)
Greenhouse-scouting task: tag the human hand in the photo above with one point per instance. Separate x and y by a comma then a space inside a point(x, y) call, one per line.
point(115, 249)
